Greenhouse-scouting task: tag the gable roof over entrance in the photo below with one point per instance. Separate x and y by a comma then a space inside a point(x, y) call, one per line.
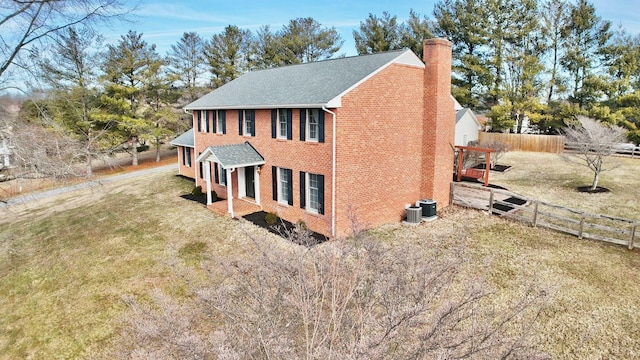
point(305, 85)
point(232, 156)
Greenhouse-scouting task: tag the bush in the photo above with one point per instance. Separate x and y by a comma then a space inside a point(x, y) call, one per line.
point(214, 196)
point(197, 191)
point(271, 218)
point(143, 148)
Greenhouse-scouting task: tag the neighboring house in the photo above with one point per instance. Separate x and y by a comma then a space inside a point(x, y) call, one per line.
point(467, 127)
point(326, 141)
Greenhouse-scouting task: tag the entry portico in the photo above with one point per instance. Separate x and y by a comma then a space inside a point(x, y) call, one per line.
point(226, 159)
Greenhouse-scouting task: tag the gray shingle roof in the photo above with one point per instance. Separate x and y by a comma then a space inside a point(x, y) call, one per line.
point(232, 156)
point(304, 85)
point(185, 139)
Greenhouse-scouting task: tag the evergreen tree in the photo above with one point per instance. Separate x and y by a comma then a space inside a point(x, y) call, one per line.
point(265, 52)
point(414, 32)
point(129, 69)
point(186, 60)
point(378, 34)
point(586, 34)
point(72, 75)
point(554, 16)
point(306, 40)
point(462, 22)
point(228, 54)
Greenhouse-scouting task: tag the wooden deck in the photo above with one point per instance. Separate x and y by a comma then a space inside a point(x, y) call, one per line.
point(241, 207)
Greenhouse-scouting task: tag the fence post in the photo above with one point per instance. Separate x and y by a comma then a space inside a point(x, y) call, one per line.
point(534, 222)
point(490, 202)
point(581, 226)
point(633, 235)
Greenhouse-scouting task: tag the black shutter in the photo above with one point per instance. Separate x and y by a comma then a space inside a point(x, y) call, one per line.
point(321, 194)
point(240, 122)
point(321, 126)
point(253, 122)
point(274, 120)
point(289, 125)
point(303, 124)
point(214, 121)
point(223, 116)
point(200, 168)
point(290, 187)
point(198, 120)
point(184, 156)
point(274, 182)
point(206, 121)
point(216, 175)
point(303, 190)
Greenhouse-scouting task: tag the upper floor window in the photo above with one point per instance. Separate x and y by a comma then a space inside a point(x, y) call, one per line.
point(203, 123)
point(247, 122)
point(281, 124)
point(312, 125)
point(221, 122)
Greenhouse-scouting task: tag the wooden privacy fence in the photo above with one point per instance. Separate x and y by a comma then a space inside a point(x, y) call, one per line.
point(575, 147)
point(539, 213)
point(526, 142)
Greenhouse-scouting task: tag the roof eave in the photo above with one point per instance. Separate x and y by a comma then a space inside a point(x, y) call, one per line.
point(259, 107)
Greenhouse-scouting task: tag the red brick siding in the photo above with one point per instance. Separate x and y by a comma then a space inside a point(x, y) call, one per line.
point(292, 154)
point(439, 120)
point(183, 169)
point(378, 148)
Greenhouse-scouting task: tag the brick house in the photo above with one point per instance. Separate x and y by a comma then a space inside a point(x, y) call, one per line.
point(320, 141)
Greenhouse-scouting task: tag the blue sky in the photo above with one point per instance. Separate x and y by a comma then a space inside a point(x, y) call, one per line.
point(163, 22)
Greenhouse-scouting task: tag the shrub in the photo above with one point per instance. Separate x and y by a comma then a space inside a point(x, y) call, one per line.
point(271, 218)
point(214, 196)
point(197, 191)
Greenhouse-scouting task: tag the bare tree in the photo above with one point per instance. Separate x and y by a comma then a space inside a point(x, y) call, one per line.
point(23, 23)
point(356, 298)
point(592, 143)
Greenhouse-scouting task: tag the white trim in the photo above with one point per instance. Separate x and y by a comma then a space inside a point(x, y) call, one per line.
point(207, 176)
point(307, 192)
point(280, 191)
point(307, 126)
point(279, 114)
point(242, 186)
point(256, 179)
point(230, 192)
point(333, 171)
point(217, 120)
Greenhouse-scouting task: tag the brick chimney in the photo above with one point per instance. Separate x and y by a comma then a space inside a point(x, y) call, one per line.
point(439, 122)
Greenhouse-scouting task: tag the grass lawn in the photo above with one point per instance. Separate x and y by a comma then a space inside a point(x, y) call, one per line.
point(67, 262)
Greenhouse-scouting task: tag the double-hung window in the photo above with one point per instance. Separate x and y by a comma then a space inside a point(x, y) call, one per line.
point(221, 122)
point(247, 122)
point(312, 192)
point(282, 185)
point(204, 121)
point(312, 125)
point(220, 174)
point(281, 124)
point(186, 156)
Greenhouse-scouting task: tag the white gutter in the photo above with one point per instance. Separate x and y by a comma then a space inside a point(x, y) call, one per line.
point(333, 171)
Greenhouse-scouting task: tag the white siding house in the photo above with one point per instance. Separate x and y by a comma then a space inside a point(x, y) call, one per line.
point(467, 127)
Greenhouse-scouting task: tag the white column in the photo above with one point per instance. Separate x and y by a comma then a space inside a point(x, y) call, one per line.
point(207, 176)
point(242, 187)
point(256, 177)
point(229, 192)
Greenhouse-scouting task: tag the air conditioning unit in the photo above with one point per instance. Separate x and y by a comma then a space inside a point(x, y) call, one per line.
point(414, 214)
point(428, 207)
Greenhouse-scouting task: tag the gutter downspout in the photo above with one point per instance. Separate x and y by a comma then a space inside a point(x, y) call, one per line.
point(333, 171)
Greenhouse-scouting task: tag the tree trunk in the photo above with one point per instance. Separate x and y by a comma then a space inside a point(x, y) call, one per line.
point(157, 151)
point(134, 151)
point(596, 175)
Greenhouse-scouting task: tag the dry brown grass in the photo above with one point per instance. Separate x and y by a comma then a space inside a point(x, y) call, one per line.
point(548, 178)
point(66, 264)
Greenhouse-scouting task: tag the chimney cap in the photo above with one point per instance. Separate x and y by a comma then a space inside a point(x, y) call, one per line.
point(437, 41)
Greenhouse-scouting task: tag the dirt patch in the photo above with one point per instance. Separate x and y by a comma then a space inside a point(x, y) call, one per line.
point(282, 227)
point(589, 190)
